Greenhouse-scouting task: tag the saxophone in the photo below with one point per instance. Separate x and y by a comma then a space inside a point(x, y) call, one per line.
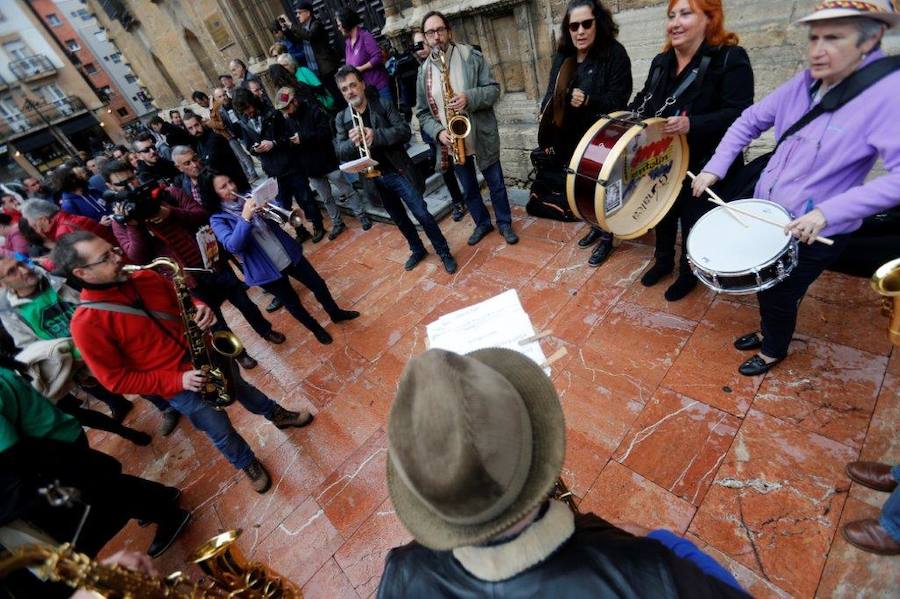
point(458, 125)
point(886, 281)
point(229, 573)
point(213, 354)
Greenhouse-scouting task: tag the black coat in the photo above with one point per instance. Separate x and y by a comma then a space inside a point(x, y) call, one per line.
point(315, 150)
point(326, 59)
point(598, 561)
point(176, 136)
point(216, 153)
point(608, 76)
point(280, 160)
point(392, 132)
point(161, 169)
point(712, 104)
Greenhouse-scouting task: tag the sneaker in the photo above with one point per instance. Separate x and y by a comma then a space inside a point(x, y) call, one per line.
point(246, 361)
point(170, 421)
point(508, 234)
point(335, 231)
point(343, 315)
point(274, 305)
point(283, 418)
point(275, 337)
point(365, 222)
point(449, 263)
point(479, 233)
point(656, 272)
point(458, 212)
point(414, 259)
point(259, 478)
point(318, 233)
point(167, 531)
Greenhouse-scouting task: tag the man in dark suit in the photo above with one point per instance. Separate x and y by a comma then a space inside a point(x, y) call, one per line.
point(215, 151)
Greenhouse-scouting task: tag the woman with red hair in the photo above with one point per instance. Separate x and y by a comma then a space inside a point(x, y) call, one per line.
point(701, 82)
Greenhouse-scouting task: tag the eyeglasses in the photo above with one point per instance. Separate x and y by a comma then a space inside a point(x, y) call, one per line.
point(124, 182)
point(147, 149)
point(106, 257)
point(587, 25)
point(434, 32)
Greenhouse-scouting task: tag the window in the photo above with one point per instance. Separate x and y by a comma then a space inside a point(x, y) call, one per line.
point(116, 58)
point(17, 50)
point(90, 69)
point(122, 112)
point(131, 78)
point(84, 14)
point(53, 20)
point(72, 45)
point(106, 91)
point(100, 35)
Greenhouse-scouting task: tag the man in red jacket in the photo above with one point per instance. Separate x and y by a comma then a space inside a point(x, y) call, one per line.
point(51, 223)
point(130, 332)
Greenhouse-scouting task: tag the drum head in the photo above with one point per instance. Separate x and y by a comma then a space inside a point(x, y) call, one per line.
point(720, 244)
point(641, 174)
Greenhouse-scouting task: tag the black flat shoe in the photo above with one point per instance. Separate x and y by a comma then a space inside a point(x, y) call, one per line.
point(479, 233)
point(683, 285)
point(755, 366)
point(414, 259)
point(748, 342)
point(458, 212)
point(655, 273)
point(274, 305)
point(593, 236)
point(600, 253)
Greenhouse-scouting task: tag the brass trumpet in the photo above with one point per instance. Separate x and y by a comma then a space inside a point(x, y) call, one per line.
point(364, 151)
point(283, 216)
point(886, 281)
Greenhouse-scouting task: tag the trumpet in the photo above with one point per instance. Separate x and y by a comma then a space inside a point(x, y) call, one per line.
point(277, 214)
point(364, 151)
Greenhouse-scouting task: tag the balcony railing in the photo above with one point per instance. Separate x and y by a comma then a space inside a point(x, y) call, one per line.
point(3, 83)
point(32, 67)
point(36, 115)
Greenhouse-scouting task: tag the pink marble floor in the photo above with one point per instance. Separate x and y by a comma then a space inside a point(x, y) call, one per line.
point(662, 431)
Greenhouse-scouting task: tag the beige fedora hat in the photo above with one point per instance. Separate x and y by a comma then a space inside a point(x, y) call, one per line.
point(885, 11)
point(475, 442)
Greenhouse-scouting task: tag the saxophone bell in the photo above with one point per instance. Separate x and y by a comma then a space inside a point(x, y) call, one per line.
point(886, 282)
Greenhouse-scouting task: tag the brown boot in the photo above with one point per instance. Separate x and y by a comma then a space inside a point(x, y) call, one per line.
point(282, 418)
point(259, 478)
point(873, 475)
point(869, 535)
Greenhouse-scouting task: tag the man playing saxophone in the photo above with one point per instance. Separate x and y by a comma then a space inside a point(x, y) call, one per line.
point(133, 338)
point(462, 73)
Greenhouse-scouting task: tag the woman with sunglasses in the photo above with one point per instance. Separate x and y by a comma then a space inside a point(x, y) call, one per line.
point(593, 70)
point(269, 256)
point(701, 82)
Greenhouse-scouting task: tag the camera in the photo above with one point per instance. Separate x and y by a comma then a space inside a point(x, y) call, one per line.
point(137, 204)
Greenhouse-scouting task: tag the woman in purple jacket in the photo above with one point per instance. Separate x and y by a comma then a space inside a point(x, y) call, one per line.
point(362, 51)
point(270, 257)
point(818, 174)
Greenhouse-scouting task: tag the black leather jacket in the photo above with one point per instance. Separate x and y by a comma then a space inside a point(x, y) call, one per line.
point(598, 561)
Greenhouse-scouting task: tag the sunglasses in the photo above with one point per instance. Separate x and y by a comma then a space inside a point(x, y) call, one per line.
point(587, 25)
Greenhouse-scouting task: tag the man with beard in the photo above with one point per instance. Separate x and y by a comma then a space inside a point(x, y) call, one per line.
point(214, 151)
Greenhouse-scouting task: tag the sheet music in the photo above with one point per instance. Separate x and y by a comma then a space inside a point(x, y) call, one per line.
point(500, 321)
point(265, 192)
point(358, 165)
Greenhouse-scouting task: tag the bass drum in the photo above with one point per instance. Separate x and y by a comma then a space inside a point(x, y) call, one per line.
point(626, 173)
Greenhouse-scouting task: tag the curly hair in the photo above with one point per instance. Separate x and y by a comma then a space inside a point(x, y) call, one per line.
point(716, 34)
point(606, 28)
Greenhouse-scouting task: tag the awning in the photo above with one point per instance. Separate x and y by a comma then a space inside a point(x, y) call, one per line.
point(79, 123)
point(33, 141)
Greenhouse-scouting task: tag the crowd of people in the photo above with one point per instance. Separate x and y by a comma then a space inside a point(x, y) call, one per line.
point(78, 318)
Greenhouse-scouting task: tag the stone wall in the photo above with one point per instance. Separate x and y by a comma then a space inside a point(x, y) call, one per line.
point(519, 40)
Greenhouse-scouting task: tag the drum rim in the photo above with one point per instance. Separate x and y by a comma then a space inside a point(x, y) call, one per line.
point(702, 275)
point(600, 190)
point(790, 240)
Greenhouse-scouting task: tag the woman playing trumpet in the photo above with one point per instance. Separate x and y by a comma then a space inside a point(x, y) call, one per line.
point(269, 256)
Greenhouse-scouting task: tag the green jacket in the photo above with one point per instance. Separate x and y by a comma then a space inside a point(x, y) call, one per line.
point(482, 91)
point(25, 413)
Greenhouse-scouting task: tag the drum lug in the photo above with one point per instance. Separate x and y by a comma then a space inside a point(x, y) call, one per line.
point(715, 280)
point(780, 268)
point(759, 280)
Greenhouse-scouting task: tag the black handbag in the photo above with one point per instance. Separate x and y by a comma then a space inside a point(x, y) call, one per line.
point(547, 196)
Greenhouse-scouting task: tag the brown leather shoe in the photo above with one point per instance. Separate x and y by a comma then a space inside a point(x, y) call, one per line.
point(873, 475)
point(246, 361)
point(276, 337)
point(868, 535)
point(259, 478)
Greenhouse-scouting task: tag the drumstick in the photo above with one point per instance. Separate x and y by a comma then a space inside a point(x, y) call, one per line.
point(715, 199)
point(819, 238)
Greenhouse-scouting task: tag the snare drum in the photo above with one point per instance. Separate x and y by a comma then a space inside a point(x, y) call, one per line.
point(730, 258)
point(626, 173)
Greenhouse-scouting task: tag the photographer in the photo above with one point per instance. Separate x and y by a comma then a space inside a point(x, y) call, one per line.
point(151, 166)
point(156, 221)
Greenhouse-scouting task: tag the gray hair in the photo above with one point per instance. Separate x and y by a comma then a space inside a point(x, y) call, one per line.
point(65, 257)
point(34, 209)
point(180, 151)
point(285, 60)
point(867, 29)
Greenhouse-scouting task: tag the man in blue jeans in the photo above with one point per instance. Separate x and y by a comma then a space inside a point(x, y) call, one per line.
point(474, 94)
point(881, 535)
point(397, 181)
point(132, 336)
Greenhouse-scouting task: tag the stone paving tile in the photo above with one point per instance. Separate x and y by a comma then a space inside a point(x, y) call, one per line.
point(662, 431)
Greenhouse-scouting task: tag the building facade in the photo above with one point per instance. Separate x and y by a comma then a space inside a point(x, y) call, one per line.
point(48, 111)
point(109, 57)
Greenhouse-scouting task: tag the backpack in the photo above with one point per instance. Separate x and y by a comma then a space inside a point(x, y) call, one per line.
point(547, 197)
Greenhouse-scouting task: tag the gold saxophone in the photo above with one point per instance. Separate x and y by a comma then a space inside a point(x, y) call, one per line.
point(886, 281)
point(229, 573)
point(218, 364)
point(458, 125)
